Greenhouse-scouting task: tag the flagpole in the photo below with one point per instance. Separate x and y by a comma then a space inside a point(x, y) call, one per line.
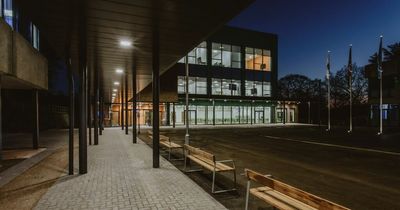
point(328, 75)
point(380, 75)
point(350, 69)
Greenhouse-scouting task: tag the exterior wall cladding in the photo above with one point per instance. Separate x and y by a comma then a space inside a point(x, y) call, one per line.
point(246, 105)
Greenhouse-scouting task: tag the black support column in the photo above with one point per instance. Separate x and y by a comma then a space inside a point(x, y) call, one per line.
point(1, 130)
point(156, 86)
point(89, 104)
point(71, 116)
point(122, 105)
point(35, 133)
point(134, 103)
point(82, 88)
point(96, 106)
point(126, 104)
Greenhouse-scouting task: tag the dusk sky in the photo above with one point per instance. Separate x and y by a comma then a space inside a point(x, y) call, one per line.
point(307, 29)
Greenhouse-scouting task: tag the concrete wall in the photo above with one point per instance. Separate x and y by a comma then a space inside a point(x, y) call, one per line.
point(5, 48)
point(20, 62)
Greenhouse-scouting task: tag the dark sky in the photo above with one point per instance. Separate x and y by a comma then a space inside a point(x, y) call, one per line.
point(307, 29)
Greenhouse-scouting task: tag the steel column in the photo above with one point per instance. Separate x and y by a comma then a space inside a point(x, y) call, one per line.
point(134, 103)
point(71, 116)
point(156, 88)
point(101, 114)
point(1, 130)
point(82, 89)
point(89, 104)
point(96, 106)
point(126, 104)
point(35, 133)
point(122, 105)
point(173, 115)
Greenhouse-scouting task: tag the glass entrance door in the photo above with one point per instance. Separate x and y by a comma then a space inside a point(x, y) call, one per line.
point(259, 117)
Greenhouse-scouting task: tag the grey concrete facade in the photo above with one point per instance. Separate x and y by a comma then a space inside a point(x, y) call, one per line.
point(22, 65)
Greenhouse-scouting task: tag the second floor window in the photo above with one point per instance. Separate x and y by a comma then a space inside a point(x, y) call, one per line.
point(6, 10)
point(197, 85)
point(226, 87)
point(258, 88)
point(225, 55)
point(198, 55)
point(258, 59)
point(35, 36)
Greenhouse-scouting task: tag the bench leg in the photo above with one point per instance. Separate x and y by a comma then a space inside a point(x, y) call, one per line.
point(234, 179)
point(221, 191)
point(247, 195)
point(169, 153)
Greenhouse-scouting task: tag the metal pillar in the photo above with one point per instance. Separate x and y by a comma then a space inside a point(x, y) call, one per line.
point(187, 136)
point(89, 104)
point(71, 116)
point(35, 133)
point(96, 106)
point(173, 115)
point(284, 113)
point(1, 130)
point(82, 90)
point(101, 114)
point(134, 103)
point(126, 104)
point(122, 105)
point(309, 112)
point(168, 114)
point(213, 103)
point(156, 91)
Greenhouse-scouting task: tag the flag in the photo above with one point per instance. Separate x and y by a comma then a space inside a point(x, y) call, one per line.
point(350, 66)
point(379, 60)
point(328, 66)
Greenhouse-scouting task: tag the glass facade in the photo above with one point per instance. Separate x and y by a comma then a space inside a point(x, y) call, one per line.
point(35, 36)
point(258, 88)
point(198, 55)
point(225, 55)
point(197, 85)
point(7, 11)
point(226, 87)
point(258, 59)
point(226, 112)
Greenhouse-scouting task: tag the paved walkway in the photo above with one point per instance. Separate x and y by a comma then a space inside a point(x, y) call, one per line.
point(120, 177)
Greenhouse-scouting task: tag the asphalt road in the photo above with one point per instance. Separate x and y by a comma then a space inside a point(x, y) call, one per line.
point(359, 171)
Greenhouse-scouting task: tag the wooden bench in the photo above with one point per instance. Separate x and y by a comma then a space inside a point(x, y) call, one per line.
point(209, 162)
point(284, 196)
point(166, 142)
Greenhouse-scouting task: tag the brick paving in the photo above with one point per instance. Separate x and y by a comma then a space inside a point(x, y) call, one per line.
point(121, 177)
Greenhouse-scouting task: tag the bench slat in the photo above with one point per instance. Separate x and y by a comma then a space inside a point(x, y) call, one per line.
point(170, 144)
point(194, 150)
point(295, 193)
point(219, 166)
point(279, 200)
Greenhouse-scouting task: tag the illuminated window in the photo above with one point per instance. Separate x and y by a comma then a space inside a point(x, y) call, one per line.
point(7, 12)
point(227, 87)
point(197, 85)
point(197, 56)
point(225, 55)
point(258, 59)
point(35, 36)
point(258, 88)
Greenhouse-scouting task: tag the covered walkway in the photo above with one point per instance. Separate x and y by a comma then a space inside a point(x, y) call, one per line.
point(121, 176)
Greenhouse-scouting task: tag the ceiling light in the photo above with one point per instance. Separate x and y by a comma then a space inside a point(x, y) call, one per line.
point(115, 90)
point(119, 71)
point(125, 43)
point(114, 94)
point(116, 83)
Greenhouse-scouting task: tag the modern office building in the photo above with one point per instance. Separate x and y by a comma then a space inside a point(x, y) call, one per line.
point(232, 80)
point(391, 93)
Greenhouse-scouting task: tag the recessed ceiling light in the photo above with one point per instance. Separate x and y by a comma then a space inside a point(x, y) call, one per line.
point(115, 90)
point(116, 83)
point(125, 43)
point(119, 71)
point(114, 94)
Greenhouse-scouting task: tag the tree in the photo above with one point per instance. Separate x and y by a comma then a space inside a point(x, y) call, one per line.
point(393, 52)
point(294, 86)
point(340, 87)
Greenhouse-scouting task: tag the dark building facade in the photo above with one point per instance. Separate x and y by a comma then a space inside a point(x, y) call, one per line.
point(390, 93)
point(232, 80)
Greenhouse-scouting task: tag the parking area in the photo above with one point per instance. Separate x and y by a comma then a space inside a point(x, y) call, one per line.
point(359, 171)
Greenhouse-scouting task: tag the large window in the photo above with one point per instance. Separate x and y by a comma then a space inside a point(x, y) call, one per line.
point(258, 88)
point(258, 59)
point(225, 55)
point(197, 85)
point(35, 36)
point(198, 55)
point(6, 7)
point(225, 87)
